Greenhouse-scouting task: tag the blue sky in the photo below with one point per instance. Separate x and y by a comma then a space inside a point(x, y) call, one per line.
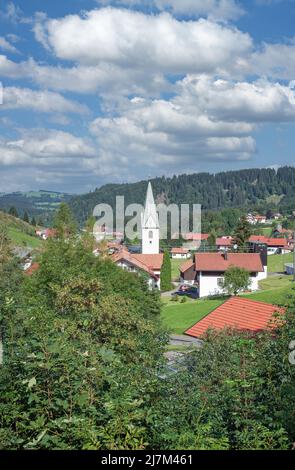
point(98, 91)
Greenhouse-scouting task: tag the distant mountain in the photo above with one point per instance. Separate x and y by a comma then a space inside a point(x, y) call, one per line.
point(36, 203)
point(265, 189)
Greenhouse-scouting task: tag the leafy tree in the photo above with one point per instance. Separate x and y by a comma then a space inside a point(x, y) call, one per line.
point(13, 212)
point(80, 334)
point(64, 222)
point(166, 273)
point(242, 232)
point(236, 280)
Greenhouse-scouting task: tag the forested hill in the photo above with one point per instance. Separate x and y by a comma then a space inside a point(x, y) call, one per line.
point(253, 188)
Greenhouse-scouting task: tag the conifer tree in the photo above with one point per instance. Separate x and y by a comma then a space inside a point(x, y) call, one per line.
point(166, 273)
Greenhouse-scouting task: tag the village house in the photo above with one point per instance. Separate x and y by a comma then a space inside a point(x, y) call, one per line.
point(256, 219)
point(180, 253)
point(241, 314)
point(274, 245)
point(46, 233)
point(223, 243)
point(206, 271)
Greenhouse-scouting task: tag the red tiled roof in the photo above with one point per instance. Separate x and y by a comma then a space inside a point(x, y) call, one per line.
point(218, 262)
point(239, 313)
point(220, 241)
point(268, 241)
point(196, 236)
point(154, 262)
point(185, 266)
point(124, 255)
point(182, 251)
point(34, 267)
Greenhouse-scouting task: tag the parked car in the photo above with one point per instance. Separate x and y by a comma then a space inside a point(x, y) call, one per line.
point(189, 291)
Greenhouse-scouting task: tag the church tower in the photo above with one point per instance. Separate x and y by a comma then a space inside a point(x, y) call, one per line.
point(150, 229)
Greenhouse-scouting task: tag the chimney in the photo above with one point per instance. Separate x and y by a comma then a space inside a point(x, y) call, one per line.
point(225, 255)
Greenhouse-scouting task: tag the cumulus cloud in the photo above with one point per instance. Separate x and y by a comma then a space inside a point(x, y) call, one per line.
point(44, 148)
point(208, 120)
point(217, 9)
point(40, 101)
point(259, 101)
point(274, 60)
point(130, 39)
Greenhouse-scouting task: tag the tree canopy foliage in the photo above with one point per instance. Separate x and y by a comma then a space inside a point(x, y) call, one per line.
point(84, 367)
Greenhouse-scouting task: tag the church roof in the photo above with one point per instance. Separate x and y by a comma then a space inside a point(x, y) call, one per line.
point(150, 217)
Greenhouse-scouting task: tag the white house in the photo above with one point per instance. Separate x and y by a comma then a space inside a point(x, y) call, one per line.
point(274, 245)
point(207, 270)
point(180, 253)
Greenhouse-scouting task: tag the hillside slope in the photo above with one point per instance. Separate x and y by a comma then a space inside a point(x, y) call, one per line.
point(244, 188)
point(20, 233)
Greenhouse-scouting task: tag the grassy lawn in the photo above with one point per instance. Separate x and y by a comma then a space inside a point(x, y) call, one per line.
point(274, 290)
point(275, 263)
point(178, 317)
point(266, 231)
point(175, 263)
point(22, 239)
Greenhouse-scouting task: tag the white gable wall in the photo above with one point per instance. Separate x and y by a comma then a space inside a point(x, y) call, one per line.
point(210, 285)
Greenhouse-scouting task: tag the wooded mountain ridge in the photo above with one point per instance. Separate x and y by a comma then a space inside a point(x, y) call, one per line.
point(262, 189)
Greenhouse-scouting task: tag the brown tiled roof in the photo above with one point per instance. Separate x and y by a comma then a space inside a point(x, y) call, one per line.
point(239, 313)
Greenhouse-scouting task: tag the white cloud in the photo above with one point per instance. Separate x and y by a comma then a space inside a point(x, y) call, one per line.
point(44, 148)
point(14, 14)
point(217, 9)
point(133, 40)
point(6, 46)
point(39, 101)
point(274, 60)
point(209, 120)
point(259, 101)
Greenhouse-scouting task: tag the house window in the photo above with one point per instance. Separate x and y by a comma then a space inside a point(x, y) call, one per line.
point(150, 234)
point(220, 282)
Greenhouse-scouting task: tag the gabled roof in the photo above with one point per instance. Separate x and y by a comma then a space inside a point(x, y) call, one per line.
point(185, 266)
point(147, 263)
point(220, 262)
point(154, 262)
point(224, 241)
point(182, 251)
point(196, 236)
point(276, 242)
point(239, 313)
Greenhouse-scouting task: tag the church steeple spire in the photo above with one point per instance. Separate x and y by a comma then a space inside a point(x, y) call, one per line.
point(150, 225)
point(150, 217)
